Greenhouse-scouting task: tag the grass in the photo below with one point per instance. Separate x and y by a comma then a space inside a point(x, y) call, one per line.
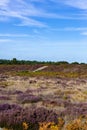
point(49, 74)
point(62, 70)
point(5, 83)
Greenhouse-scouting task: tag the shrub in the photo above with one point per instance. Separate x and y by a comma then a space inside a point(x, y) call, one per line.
point(28, 98)
point(13, 116)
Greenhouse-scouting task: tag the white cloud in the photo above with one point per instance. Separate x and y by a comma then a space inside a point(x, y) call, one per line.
point(11, 37)
point(30, 22)
point(84, 33)
point(4, 3)
point(14, 35)
point(75, 28)
point(41, 1)
point(80, 30)
point(81, 4)
point(27, 12)
point(70, 29)
point(22, 11)
point(5, 40)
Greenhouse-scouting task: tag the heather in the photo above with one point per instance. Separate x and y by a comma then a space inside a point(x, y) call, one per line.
point(12, 116)
point(50, 99)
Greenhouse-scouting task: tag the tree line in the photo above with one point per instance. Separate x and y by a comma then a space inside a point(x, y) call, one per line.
point(26, 62)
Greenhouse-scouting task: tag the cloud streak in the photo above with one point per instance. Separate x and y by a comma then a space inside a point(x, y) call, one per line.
point(22, 11)
point(84, 33)
point(28, 13)
point(80, 4)
point(14, 35)
point(70, 29)
point(5, 40)
point(80, 30)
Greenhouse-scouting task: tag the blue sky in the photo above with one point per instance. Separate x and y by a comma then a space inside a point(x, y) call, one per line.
point(43, 30)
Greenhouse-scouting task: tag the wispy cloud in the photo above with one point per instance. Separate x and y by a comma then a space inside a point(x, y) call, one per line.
point(20, 10)
point(14, 35)
point(26, 12)
point(4, 3)
point(75, 28)
point(84, 33)
point(80, 4)
point(80, 30)
point(6, 37)
point(29, 14)
point(41, 1)
point(5, 40)
point(80, 7)
point(70, 29)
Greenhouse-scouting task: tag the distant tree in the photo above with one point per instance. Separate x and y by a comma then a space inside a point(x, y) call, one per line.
point(61, 62)
point(76, 63)
point(82, 63)
point(14, 61)
point(4, 61)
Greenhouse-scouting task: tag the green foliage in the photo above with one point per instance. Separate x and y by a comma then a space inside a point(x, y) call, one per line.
point(15, 61)
point(61, 63)
point(48, 74)
point(76, 63)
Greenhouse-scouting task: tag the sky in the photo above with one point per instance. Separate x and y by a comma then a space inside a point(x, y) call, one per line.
point(43, 30)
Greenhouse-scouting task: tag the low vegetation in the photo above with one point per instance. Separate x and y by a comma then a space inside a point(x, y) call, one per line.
point(51, 99)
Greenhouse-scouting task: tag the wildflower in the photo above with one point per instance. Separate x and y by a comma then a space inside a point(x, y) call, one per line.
point(25, 126)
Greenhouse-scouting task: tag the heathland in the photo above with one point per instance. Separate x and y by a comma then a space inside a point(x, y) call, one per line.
point(43, 95)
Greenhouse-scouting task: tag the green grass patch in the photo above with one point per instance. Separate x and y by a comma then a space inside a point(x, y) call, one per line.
point(48, 74)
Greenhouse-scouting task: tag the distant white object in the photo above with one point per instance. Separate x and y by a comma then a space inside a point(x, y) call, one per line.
point(41, 68)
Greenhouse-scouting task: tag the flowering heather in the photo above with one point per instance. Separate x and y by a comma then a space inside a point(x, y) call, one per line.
point(12, 116)
point(28, 98)
point(4, 98)
point(7, 106)
point(14, 92)
point(75, 110)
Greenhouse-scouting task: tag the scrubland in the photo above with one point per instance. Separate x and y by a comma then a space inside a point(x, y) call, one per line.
point(52, 99)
